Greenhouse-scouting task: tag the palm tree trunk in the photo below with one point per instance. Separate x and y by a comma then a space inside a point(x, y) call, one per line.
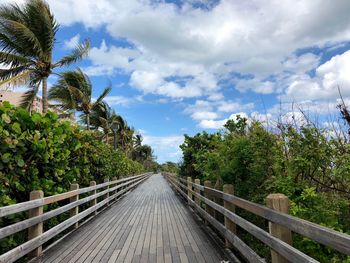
point(88, 121)
point(107, 141)
point(44, 102)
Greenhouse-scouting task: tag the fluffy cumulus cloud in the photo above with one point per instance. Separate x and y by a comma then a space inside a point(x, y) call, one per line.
point(218, 124)
point(166, 147)
point(185, 50)
point(330, 75)
point(214, 114)
point(72, 43)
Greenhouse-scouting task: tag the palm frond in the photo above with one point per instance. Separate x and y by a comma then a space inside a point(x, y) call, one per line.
point(42, 22)
point(6, 74)
point(63, 96)
point(105, 92)
point(28, 98)
point(80, 51)
point(14, 60)
point(16, 80)
point(22, 35)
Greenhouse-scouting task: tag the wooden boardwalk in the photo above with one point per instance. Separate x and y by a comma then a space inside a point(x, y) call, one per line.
point(150, 224)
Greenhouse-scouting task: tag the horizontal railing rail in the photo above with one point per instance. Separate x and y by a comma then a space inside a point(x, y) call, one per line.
point(281, 225)
point(111, 191)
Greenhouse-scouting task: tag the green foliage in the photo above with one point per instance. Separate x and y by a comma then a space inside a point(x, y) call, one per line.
point(305, 164)
point(43, 153)
point(27, 41)
point(169, 167)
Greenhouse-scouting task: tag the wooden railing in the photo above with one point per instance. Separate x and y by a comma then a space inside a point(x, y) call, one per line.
point(207, 201)
point(109, 192)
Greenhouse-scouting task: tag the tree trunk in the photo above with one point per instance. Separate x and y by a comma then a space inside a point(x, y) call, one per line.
point(88, 121)
point(107, 138)
point(44, 98)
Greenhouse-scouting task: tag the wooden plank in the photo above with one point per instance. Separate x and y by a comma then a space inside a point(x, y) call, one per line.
point(79, 241)
point(122, 230)
point(128, 247)
point(323, 235)
point(36, 230)
point(138, 232)
point(149, 225)
point(113, 230)
point(279, 202)
point(24, 206)
point(279, 246)
point(28, 246)
point(14, 228)
point(87, 248)
point(228, 188)
point(71, 242)
point(246, 251)
point(74, 211)
point(200, 244)
point(141, 240)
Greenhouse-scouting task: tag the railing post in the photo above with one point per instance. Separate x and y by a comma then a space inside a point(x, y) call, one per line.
point(228, 189)
point(208, 208)
point(198, 201)
point(35, 230)
point(189, 187)
point(74, 211)
point(114, 179)
point(107, 195)
point(218, 186)
point(93, 192)
point(279, 202)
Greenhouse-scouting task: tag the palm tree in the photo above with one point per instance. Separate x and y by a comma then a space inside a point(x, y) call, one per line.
point(73, 91)
point(27, 39)
point(137, 141)
point(126, 134)
point(102, 116)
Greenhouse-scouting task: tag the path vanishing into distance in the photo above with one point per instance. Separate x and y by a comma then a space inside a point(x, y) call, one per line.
point(150, 224)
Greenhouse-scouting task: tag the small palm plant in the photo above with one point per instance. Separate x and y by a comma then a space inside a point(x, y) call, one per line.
point(27, 40)
point(102, 116)
point(73, 91)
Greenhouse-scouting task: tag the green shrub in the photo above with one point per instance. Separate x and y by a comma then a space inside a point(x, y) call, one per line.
point(41, 152)
point(303, 163)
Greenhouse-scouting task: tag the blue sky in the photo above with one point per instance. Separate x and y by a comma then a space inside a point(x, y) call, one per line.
point(185, 66)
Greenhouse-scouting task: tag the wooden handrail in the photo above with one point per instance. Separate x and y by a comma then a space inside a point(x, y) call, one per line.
point(123, 185)
point(25, 206)
point(323, 235)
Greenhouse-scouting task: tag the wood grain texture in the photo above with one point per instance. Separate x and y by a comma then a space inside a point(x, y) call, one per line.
point(279, 202)
point(36, 230)
point(323, 235)
point(24, 206)
point(36, 242)
point(150, 224)
point(279, 246)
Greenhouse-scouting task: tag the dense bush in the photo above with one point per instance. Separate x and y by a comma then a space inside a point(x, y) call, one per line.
point(305, 163)
point(44, 153)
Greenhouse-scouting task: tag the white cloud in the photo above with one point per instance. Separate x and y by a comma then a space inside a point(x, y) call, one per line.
point(119, 100)
point(72, 42)
point(207, 113)
point(206, 45)
point(166, 148)
point(218, 124)
point(329, 75)
point(212, 124)
point(230, 106)
point(202, 115)
point(302, 63)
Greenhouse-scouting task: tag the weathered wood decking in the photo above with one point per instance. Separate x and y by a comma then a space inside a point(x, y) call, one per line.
point(150, 224)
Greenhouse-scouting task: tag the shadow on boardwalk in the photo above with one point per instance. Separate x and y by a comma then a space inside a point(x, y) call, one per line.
point(149, 225)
